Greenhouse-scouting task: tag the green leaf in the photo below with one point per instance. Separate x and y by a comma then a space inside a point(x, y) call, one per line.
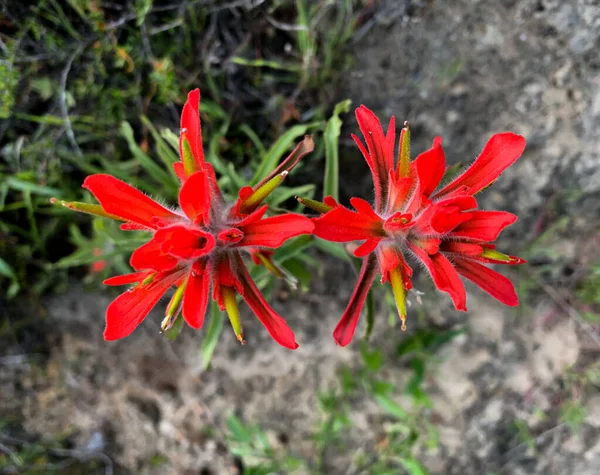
point(28, 187)
point(212, 335)
point(333, 248)
point(391, 407)
point(238, 430)
point(173, 332)
point(331, 138)
point(156, 172)
point(246, 129)
point(373, 359)
point(6, 270)
point(279, 148)
point(165, 152)
point(413, 467)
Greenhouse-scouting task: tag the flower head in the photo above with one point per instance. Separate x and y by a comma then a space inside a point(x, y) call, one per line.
point(198, 246)
point(413, 216)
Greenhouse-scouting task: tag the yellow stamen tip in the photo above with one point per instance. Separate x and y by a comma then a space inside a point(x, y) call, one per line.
point(233, 312)
point(399, 294)
point(313, 204)
point(261, 193)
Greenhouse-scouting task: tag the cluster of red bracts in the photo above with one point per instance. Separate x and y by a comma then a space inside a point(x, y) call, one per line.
point(199, 246)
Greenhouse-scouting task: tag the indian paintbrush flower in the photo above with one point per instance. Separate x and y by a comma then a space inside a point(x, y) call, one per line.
point(413, 216)
point(200, 244)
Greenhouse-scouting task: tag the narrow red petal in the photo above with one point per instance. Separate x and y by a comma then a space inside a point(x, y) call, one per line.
point(366, 247)
point(150, 256)
point(272, 321)
point(364, 208)
point(464, 248)
point(274, 231)
point(191, 128)
point(252, 217)
point(342, 225)
point(484, 225)
point(489, 280)
point(130, 308)
point(500, 152)
point(194, 197)
point(344, 331)
point(123, 200)
point(430, 166)
point(195, 299)
point(180, 171)
point(444, 276)
point(379, 158)
point(127, 278)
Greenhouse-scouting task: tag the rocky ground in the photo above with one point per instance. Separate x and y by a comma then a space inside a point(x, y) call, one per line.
point(462, 71)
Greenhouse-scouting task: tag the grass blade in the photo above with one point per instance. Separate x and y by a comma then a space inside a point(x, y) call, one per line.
point(331, 138)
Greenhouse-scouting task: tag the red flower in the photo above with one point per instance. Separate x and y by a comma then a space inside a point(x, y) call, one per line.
point(441, 229)
point(199, 245)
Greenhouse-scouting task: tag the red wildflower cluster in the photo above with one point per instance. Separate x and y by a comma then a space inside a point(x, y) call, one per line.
point(199, 245)
point(440, 227)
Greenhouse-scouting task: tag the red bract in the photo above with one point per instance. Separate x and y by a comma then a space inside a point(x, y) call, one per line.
point(199, 245)
point(441, 229)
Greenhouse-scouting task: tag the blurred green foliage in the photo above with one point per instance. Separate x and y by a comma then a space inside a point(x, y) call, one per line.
point(91, 87)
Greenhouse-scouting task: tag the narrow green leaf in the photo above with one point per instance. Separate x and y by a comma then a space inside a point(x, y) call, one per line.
point(246, 129)
point(391, 407)
point(279, 148)
point(212, 335)
point(6, 270)
point(413, 467)
point(156, 172)
point(333, 248)
point(28, 187)
point(163, 149)
point(331, 138)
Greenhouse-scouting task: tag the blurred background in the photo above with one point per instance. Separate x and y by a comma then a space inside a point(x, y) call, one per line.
point(90, 86)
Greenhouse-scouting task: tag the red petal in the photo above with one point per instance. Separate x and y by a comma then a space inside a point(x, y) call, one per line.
point(274, 231)
point(195, 299)
point(194, 197)
point(366, 247)
point(344, 331)
point(389, 257)
point(342, 225)
point(252, 217)
point(444, 276)
point(190, 127)
point(274, 323)
point(364, 208)
point(484, 225)
point(501, 151)
point(464, 248)
point(183, 242)
point(150, 256)
point(224, 275)
point(127, 278)
point(430, 166)
point(489, 280)
point(399, 191)
point(180, 171)
point(129, 309)
point(123, 200)
point(447, 219)
point(380, 156)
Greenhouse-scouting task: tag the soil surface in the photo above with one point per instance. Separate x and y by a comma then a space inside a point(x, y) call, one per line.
point(463, 70)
